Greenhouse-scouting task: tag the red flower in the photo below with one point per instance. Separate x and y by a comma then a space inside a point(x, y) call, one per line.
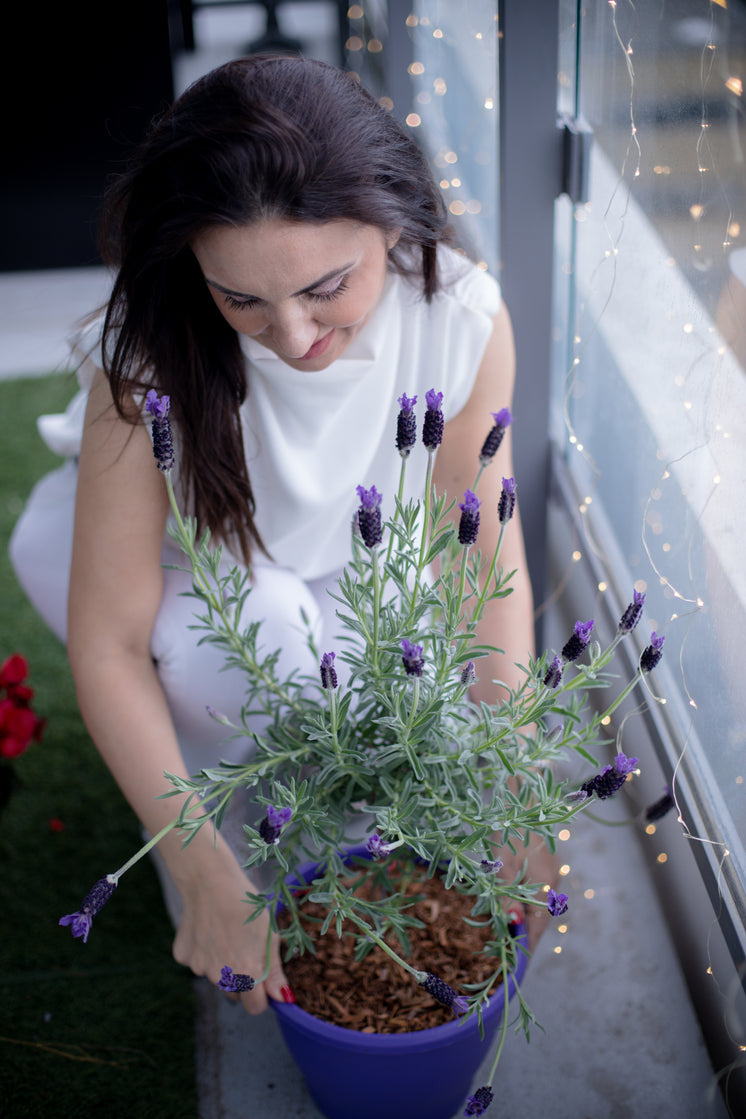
point(10, 747)
point(19, 725)
point(55, 824)
point(13, 670)
point(6, 707)
point(21, 693)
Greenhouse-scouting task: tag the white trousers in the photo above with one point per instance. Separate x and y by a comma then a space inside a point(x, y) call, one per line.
point(191, 674)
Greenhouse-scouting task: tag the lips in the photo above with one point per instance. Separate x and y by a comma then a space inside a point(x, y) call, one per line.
point(318, 348)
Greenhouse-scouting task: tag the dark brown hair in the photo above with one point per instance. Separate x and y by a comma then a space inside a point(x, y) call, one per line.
point(262, 137)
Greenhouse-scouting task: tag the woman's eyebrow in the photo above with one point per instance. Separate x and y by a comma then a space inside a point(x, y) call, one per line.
point(304, 291)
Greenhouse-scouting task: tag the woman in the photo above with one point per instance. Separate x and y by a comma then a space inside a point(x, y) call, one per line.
point(283, 275)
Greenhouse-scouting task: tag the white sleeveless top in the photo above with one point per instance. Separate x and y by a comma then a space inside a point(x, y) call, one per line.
point(312, 438)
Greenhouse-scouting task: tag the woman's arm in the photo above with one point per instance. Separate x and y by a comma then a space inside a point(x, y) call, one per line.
point(508, 623)
point(115, 592)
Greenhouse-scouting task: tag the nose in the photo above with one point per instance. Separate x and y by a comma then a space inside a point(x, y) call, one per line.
point(294, 331)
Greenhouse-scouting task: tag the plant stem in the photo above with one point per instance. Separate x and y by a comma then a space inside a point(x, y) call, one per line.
point(425, 538)
point(145, 848)
point(492, 574)
point(332, 696)
point(420, 976)
point(504, 1026)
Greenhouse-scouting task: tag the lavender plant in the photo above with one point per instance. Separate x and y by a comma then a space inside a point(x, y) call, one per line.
point(441, 781)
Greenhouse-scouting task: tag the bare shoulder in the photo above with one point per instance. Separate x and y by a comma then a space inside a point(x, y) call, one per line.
point(493, 385)
point(492, 390)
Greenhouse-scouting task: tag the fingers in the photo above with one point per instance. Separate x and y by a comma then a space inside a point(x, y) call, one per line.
point(276, 985)
point(254, 1002)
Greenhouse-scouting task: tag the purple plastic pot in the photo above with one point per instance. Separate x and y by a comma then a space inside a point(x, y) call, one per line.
point(422, 1075)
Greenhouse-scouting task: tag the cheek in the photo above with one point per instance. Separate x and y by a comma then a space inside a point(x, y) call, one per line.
point(354, 307)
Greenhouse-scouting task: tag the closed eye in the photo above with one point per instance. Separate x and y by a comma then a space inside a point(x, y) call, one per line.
point(240, 304)
point(334, 294)
point(321, 296)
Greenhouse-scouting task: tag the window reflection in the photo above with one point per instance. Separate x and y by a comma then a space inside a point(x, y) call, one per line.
point(651, 370)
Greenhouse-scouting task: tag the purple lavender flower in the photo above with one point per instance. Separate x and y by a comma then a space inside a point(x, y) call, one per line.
point(506, 503)
point(218, 716)
point(273, 823)
point(660, 808)
point(432, 428)
point(653, 653)
point(553, 673)
point(468, 674)
point(491, 445)
point(163, 446)
point(328, 671)
point(412, 658)
point(406, 426)
point(480, 1101)
point(556, 903)
point(469, 523)
point(491, 866)
point(93, 903)
point(611, 779)
point(376, 848)
point(581, 635)
point(633, 613)
point(445, 994)
point(369, 516)
point(234, 981)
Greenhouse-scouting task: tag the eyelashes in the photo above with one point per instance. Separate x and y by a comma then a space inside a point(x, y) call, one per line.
point(318, 296)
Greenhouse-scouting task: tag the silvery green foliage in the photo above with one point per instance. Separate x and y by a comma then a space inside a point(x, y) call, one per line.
point(440, 778)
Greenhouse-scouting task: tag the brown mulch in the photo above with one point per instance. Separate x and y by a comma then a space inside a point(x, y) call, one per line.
point(375, 995)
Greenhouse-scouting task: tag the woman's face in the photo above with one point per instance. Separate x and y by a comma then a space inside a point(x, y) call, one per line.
point(303, 291)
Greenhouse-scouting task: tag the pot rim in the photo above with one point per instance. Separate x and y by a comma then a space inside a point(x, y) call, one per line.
point(347, 1038)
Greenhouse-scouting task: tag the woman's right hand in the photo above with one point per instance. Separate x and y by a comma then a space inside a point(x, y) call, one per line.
point(212, 932)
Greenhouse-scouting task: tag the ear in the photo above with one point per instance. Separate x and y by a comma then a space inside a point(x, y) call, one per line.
point(392, 238)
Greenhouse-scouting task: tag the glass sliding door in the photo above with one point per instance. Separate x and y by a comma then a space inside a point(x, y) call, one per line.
point(649, 366)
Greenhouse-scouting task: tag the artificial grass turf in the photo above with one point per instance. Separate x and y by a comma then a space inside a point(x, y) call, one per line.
point(109, 1024)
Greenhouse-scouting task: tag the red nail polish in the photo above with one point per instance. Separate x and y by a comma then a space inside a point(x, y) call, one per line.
point(287, 994)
